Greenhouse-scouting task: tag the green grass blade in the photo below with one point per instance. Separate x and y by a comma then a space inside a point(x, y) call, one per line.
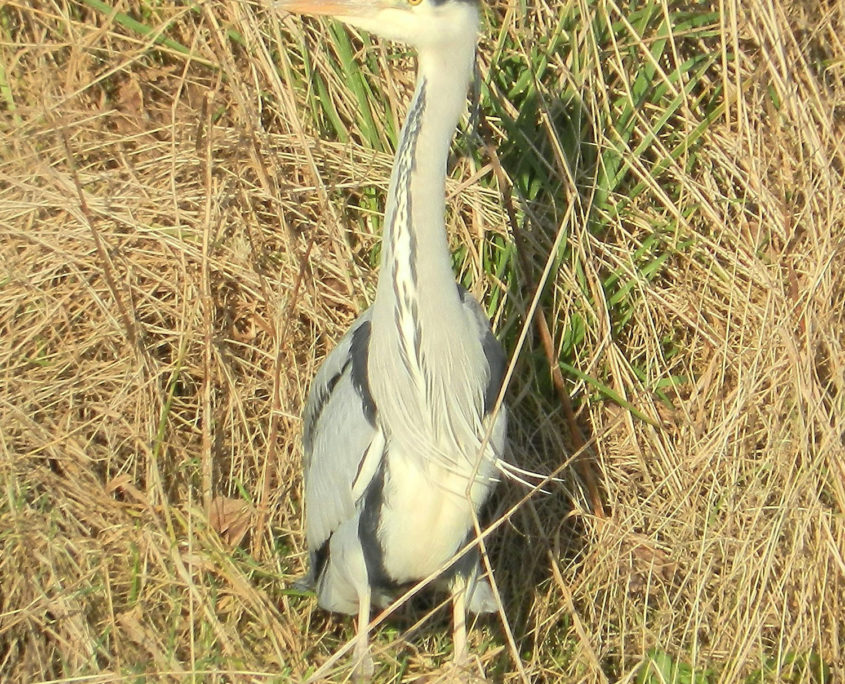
point(607, 392)
point(127, 22)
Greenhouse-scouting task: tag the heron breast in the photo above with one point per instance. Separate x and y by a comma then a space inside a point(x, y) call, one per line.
point(425, 517)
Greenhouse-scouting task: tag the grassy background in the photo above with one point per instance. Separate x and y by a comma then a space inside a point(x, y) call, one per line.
point(190, 201)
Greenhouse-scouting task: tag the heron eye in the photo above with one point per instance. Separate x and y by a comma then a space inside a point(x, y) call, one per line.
point(414, 3)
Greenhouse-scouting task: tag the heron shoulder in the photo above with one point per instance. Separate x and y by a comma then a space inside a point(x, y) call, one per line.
point(350, 355)
point(494, 353)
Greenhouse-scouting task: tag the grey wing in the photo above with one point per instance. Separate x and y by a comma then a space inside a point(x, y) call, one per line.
point(341, 443)
point(480, 598)
point(497, 361)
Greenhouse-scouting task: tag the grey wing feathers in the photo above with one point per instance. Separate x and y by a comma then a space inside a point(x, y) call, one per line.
point(338, 432)
point(334, 366)
point(497, 361)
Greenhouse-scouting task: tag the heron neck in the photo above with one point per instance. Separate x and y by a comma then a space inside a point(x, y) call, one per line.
point(424, 364)
point(415, 252)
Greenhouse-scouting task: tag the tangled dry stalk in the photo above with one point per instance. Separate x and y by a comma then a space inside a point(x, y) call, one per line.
point(179, 250)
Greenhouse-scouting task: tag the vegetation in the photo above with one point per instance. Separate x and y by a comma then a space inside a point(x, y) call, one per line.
point(190, 201)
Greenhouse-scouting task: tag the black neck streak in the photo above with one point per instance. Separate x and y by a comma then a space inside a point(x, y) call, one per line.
point(401, 239)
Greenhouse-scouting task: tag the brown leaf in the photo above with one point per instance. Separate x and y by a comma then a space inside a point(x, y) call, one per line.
point(230, 518)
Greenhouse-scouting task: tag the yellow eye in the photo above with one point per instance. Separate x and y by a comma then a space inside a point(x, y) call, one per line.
point(414, 3)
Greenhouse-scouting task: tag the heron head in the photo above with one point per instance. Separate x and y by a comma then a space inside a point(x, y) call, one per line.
point(419, 23)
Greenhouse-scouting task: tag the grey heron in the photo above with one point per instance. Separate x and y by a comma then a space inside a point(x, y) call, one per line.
point(400, 436)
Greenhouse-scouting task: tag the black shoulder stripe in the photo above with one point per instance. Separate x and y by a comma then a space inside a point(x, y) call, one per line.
point(359, 353)
point(368, 525)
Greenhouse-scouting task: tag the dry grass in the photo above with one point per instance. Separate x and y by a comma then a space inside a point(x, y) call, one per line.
point(182, 243)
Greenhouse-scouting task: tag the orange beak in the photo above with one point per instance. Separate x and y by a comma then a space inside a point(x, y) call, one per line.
point(328, 8)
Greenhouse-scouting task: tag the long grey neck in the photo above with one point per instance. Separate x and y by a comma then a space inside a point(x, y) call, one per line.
point(415, 261)
point(426, 361)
